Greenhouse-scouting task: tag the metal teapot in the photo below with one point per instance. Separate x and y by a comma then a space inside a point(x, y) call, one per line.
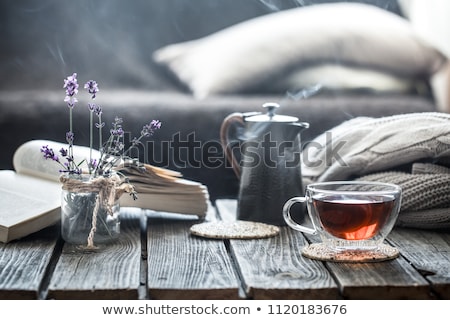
point(269, 171)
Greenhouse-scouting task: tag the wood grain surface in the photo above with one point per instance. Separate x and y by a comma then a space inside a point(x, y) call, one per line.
point(112, 272)
point(421, 271)
point(24, 262)
point(183, 266)
point(156, 257)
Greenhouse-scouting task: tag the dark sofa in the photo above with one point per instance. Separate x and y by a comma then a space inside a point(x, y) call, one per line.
point(112, 42)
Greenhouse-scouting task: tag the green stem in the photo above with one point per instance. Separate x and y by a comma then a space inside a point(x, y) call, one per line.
point(100, 146)
point(70, 119)
point(127, 151)
point(100, 139)
point(71, 142)
point(91, 139)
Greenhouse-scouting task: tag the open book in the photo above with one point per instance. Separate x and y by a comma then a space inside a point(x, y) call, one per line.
point(30, 196)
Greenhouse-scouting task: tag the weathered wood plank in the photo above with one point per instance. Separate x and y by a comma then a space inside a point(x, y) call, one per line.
point(429, 253)
point(394, 279)
point(182, 266)
point(24, 262)
point(274, 268)
point(113, 272)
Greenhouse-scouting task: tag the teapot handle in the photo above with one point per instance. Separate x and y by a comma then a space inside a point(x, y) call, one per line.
point(232, 119)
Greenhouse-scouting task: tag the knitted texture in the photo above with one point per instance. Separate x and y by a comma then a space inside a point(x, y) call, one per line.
point(363, 146)
point(379, 149)
point(425, 196)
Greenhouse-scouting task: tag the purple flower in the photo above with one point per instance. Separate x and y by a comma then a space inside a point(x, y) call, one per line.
point(117, 132)
point(111, 152)
point(70, 101)
point(93, 163)
point(49, 153)
point(71, 86)
point(69, 137)
point(117, 129)
point(63, 152)
point(156, 124)
point(97, 109)
point(92, 87)
point(150, 128)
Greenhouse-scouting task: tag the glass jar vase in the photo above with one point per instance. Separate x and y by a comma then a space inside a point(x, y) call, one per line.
point(90, 210)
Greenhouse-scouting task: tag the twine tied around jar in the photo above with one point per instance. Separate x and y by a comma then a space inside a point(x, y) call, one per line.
point(109, 190)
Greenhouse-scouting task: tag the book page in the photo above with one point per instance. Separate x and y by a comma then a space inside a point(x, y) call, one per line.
point(25, 208)
point(29, 160)
point(175, 203)
point(24, 197)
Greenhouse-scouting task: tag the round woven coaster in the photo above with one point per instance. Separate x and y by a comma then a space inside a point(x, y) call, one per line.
point(234, 230)
point(320, 251)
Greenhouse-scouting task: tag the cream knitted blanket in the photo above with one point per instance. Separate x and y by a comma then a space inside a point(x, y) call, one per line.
point(376, 148)
point(425, 195)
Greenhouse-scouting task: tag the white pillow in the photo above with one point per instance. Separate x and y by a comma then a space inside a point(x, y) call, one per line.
point(341, 77)
point(264, 49)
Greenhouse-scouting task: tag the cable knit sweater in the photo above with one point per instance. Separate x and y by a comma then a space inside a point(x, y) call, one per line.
point(425, 195)
point(376, 148)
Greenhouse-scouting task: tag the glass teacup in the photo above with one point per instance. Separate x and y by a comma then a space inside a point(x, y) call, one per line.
point(351, 217)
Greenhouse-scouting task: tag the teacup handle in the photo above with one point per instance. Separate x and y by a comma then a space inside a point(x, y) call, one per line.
point(290, 222)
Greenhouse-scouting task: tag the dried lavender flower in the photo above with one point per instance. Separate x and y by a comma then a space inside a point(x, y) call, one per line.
point(112, 151)
point(98, 110)
point(69, 137)
point(49, 153)
point(71, 86)
point(149, 129)
point(92, 87)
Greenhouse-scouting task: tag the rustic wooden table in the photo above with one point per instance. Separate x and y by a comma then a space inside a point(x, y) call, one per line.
point(157, 258)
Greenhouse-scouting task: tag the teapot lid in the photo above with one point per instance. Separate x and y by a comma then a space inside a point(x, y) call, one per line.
point(270, 116)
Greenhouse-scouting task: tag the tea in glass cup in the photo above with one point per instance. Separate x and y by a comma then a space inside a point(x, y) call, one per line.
point(352, 218)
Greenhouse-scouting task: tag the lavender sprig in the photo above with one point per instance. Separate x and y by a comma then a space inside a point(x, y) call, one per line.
point(147, 131)
point(67, 167)
point(91, 107)
point(112, 151)
point(71, 86)
point(92, 87)
point(99, 125)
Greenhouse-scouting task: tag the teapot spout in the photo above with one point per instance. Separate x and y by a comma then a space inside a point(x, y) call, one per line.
point(295, 128)
point(300, 126)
